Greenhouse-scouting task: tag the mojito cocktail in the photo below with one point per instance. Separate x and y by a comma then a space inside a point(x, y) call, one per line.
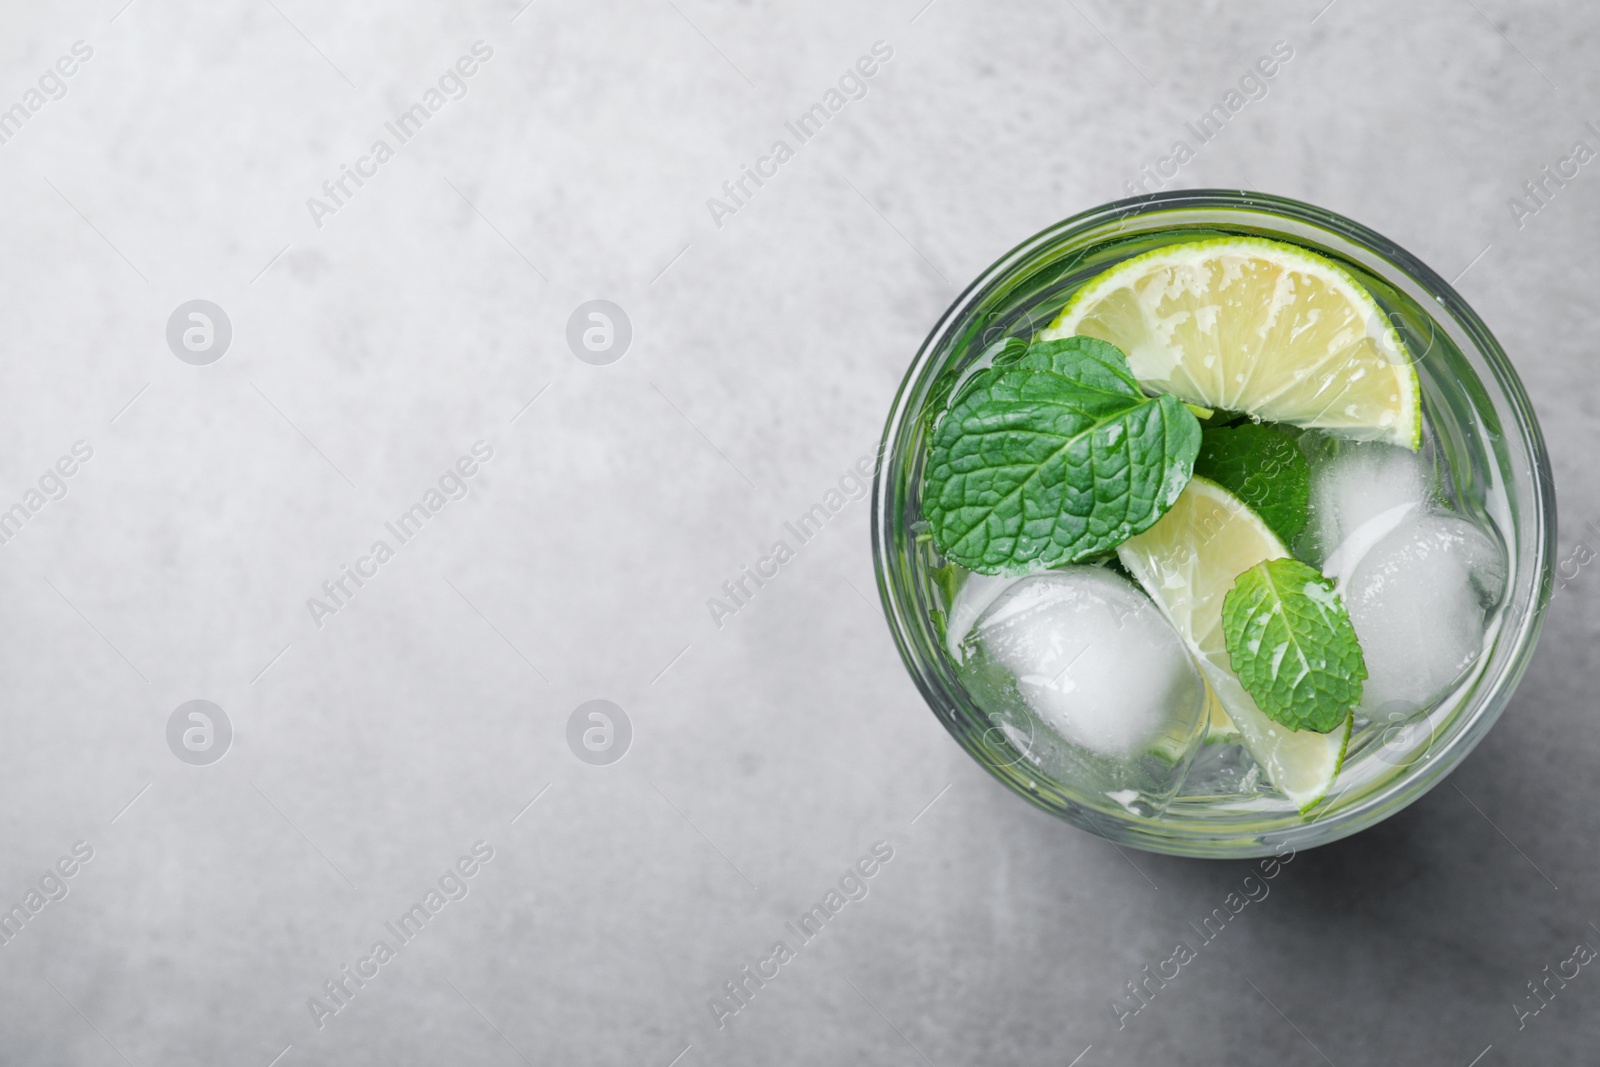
point(1209, 523)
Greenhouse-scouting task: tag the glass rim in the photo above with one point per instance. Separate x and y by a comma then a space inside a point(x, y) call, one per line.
point(1535, 527)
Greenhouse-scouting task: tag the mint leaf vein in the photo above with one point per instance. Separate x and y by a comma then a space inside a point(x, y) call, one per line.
point(1292, 646)
point(1053, 458)
point(1262, 466)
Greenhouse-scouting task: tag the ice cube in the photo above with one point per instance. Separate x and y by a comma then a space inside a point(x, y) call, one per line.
point(1483, 555)
point(1359, 492)
point(1416, 581)
point(977, 592)
point(1417, 598)
point(1096, 662)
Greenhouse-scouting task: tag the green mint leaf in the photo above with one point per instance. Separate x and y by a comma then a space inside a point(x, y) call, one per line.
point(1097, 365)
point(1291, 645)
point(1262, 466)
point(1052, 458)
point(1002, 353)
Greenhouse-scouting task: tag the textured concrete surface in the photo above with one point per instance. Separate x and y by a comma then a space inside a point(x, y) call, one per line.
point(378, 337)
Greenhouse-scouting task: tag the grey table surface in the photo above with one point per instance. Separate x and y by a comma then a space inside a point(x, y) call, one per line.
point(381, 330)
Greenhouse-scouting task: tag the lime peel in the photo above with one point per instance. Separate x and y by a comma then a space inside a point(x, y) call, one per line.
point(1187, 562)
point(1259, 326)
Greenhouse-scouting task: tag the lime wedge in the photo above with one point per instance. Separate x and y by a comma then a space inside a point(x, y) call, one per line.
point(1187, 562)
point(1219, 728)
point(1256, 326)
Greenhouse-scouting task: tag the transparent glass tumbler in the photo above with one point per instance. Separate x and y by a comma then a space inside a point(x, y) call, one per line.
point(1484, 434)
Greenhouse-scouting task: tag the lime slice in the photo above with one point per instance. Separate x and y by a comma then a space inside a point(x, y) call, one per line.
point(1256, 326)
point(1187, 562)
point(1219, 728)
